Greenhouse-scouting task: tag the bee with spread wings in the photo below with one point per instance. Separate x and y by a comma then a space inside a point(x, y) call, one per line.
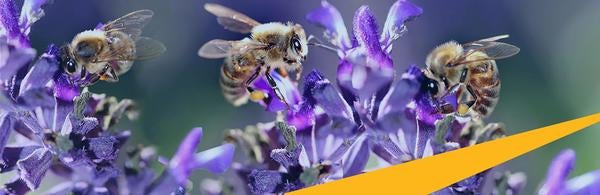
point(109, 51)
point(271, 46)
point(453, 67)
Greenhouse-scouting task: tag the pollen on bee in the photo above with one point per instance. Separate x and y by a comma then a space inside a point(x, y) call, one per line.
point(257, 95)
point(462, 109)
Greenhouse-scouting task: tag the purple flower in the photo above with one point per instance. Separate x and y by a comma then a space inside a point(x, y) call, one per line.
point(557, 181)
point(216, 160)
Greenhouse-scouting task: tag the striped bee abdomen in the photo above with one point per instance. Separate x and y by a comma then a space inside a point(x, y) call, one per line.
point(485, 82)
point(233, 87)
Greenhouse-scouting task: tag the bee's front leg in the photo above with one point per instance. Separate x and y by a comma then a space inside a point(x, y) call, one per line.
point(298, 73)
point(274, 86)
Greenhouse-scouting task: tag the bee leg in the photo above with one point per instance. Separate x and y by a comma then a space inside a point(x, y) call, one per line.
point(274, 86)
point(256, 95)
point(282, 72)
point(298, 73)
point(253, 77)
point(109, 74)
point(464, 106)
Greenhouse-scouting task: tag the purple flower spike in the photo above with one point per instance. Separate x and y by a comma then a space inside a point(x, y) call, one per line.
point(10, 22)
point(401, 12)
point(33, 167)
point(186, 160)
point(365, 30)
point(558, 172)
point(330, 18)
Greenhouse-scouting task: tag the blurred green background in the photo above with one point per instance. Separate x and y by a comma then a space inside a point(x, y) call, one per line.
point(553, 79)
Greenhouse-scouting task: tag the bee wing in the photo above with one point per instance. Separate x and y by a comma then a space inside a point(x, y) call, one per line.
point(231, 19)
point(145, 48)
point(494, 50)
point(218, 48)
point(131, 23)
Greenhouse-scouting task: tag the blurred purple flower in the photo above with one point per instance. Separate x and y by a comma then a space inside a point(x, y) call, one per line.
point(557, 181)
point(186, 159)
point(215, 160)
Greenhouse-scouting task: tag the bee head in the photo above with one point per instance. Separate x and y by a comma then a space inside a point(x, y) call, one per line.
point(298, 46)
point(67, 62)
point(434, 84)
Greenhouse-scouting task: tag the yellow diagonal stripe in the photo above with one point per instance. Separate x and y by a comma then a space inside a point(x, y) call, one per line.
point(430, 174)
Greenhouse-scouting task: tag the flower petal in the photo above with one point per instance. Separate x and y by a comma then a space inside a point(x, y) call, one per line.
point(17, 59)
point(558, 172)
point(6, 126)
point(64, 89)
point(39, 74)
point(388, 150)
point(30, 121)
point(215, 160)
point(401, 92)
point(588, 183)
point(31, 12)
point(286, 86)
point(401, 12)
point(33, 167)
point(183, 161)
point(11, 155)
point(327, 96)
point(330, 18)
point(16, 186)
point(356, 158)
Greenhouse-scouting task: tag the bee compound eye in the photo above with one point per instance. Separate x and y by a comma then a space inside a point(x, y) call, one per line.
point(296, 44)
point(70, 66)
point(431, 86)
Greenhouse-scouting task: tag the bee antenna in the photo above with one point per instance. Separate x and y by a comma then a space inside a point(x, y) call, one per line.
point(318, 43)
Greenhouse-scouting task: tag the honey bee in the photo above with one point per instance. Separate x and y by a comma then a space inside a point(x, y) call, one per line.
point(453, 67)
point(109, 51)
point(271, 46)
